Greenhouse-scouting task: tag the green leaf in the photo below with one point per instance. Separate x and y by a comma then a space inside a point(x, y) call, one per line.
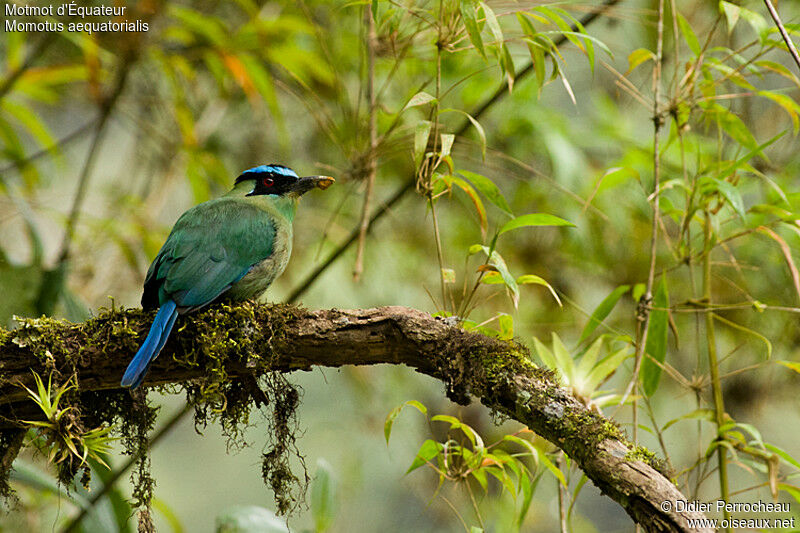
point(731, 12)
point(393, 414)
point(427, 451)
point(788, 104)
point(730, 193)
point(476, 201)
point(735, 128)
point(603, 310)
point(756, 21)
point(447, 143)
point(534, 47)
point(553, 470)
point(507, 64)
point(545, 355)
point(506, 323)
point(421, 98)
point(488, 188)
point(494, 25)
point(638, 291)
point(475, 123)
point(688, 35)
point(783, 455)
point(791, 365)
point(532, 279)
point(468, 9)
point(605, 368)
point(534, 219)
point(323, 497)
point(656, 345)
point(791, 489)
point(639, 56)
point(589, 357)
point(779, 69)
point(421, 133)
point(566, 365)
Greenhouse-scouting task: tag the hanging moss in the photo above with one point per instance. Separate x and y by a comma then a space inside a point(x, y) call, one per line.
point(135, 430)
point(10, 443)
point(241, 337)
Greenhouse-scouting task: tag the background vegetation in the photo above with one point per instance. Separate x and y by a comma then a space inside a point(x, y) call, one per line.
point(626, 205)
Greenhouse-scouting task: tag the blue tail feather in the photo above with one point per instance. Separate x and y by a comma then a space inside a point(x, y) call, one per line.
point(152, 345)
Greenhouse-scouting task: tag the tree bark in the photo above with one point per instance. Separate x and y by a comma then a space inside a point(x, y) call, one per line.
point(250, 339)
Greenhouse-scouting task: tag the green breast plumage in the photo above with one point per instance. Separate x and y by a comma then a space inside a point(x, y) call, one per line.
point(263, 273)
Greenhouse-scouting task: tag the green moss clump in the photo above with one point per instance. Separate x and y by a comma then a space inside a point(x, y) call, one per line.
point(640, 453)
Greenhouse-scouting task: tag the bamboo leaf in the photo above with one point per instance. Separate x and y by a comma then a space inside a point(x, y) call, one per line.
point(528, 279)
point(688, 35)
point(426, 452)
point(603, 310)
point(421, 133)
point(494, 25)
point(394, 413)
point(553, 470)
point(421, 98)
point(488, 188)
point(476, 201)
point(534, 219)
point(656, 345)
point(476, 125)
point(639, 56)
point(468, 9)
point(731, 12)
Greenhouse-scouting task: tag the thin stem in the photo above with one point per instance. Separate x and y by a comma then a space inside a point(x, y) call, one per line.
point(371, 163)
point(643, 312)
point(475, 505)
point(562, 508)
point(716, 385)
point(317, 272)
point(37, 52)
point(59, 144)
point(439, 254)
point(428, 186)
point(788, 40)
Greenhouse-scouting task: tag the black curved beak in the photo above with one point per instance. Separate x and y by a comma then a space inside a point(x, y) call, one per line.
point(307, 183)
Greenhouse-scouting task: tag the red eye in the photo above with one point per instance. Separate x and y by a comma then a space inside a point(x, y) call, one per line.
point(267, 182)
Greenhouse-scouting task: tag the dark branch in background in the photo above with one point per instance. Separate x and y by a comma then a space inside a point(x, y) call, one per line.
point(59, 144)
point(41, 47)
point(781, 28)
point(53, 280)
point(409, 185)
point(262, 339)
point(317, 272)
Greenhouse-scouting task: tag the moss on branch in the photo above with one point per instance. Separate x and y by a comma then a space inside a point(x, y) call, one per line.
point(231, 359)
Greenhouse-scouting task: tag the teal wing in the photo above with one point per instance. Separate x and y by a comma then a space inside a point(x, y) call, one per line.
point(211, 247)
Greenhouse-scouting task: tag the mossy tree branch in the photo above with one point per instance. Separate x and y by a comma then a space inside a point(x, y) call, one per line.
point(236, 344)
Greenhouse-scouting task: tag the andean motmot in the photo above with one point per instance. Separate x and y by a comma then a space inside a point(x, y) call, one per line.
point(232, 248)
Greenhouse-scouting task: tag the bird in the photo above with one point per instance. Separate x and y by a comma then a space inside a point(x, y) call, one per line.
point(232, 247)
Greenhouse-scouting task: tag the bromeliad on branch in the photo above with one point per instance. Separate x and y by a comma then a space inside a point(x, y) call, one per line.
point(232, 247)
